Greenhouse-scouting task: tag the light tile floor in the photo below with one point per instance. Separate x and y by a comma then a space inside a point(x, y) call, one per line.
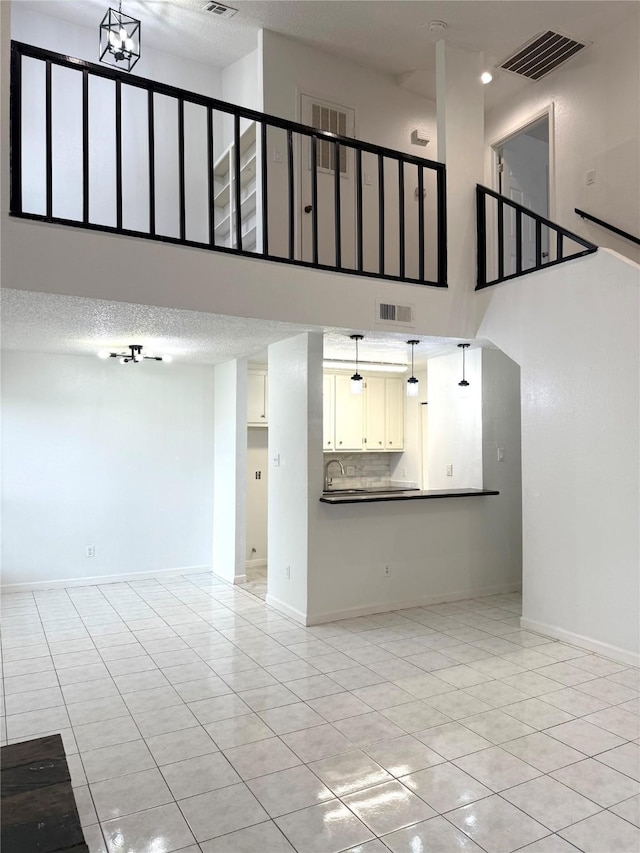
point(196, 718)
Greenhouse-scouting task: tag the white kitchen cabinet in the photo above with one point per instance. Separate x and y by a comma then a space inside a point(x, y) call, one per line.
point(328, 412)
point(257, 398)
point(371, 421)
point(394, 414)
point(349, 416)
point(375, 407)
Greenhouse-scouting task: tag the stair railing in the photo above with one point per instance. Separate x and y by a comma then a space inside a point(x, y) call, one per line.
point(519, 241)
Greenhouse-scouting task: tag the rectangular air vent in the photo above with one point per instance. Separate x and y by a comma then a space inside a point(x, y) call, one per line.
point(220, 10)
point(401, 315)
point(542, 54)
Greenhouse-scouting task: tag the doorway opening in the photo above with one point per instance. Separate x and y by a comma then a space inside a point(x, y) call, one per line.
point(257, 485)
point(523, 174)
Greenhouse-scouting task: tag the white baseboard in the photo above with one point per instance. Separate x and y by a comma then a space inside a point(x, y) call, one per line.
point(95, 580)
point(606, 650)
point(298, 615)
point(255, 564)
point(240, 579)
point(370, 610)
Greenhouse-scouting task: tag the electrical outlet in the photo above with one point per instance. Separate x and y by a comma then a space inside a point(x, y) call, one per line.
point(449, 470)
point(91, 550)
point(367, 179)
point(387, 571)
point(591, 177)
point(501, 454)
point(287, 572)
point(404, 473)
point(277, 155)
point(351, 470)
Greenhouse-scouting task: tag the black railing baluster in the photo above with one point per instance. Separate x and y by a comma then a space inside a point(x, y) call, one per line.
point(500, 239)
point(16, 130)
point(239, 208)
point(338, 203)
point(559, 246)
point(118, 155)
point(236, 173)
point(152, 162)
point(481, 248)
point(518, 241)
point(381, 214)
point(181, 176)
point(538, 243)
point(265, 188)
point(420, 225)
point(49, 140)
point(314, 199)
point(211, 183)
point(401, 234)
point(359, 223)
point(441, 180)
point(290, 193)
point(85, 146)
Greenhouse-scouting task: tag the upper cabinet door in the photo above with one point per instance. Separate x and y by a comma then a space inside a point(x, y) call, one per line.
point(394, 427)
point(349, 416)
point(257, 399)
point(328, 413)
point(375, 411)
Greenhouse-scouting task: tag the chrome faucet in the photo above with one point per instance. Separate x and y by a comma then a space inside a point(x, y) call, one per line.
point(327, 479)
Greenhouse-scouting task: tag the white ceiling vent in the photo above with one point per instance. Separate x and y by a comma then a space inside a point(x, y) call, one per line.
point(542, 54)
point(397, 315)
point(220, 9)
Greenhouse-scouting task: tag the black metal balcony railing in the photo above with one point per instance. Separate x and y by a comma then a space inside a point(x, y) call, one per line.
point(514, 241)
point(94, 148)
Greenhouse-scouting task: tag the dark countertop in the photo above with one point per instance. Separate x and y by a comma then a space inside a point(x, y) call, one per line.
point(409, 495)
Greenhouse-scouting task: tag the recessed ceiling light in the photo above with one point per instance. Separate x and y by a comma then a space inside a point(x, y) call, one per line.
point(486, 77)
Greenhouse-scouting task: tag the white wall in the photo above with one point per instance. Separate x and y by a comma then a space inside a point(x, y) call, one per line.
point(454, 416)
point(574, 331)
point(230, 487)
point(257, 497)
point(97, 453)
point(596, 106)
point(295, 441)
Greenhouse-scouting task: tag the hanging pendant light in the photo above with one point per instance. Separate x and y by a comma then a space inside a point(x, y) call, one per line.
point(119, 39)
point(463, 383)
point(357, 383)
point(412, 382)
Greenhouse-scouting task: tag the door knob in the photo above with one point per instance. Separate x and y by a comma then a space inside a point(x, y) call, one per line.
point(308, 208)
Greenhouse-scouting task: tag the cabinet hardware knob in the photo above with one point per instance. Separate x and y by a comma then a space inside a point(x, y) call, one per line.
point(262, 416)
point(339, 442)
point(379, 442)
point(308, 208)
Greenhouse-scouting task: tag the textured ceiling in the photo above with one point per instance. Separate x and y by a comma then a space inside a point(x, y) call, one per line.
point(390, 35)
point(45, 322)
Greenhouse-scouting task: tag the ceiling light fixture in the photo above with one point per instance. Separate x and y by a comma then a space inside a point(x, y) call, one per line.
point(356, 380)
point(379, 366)
point(486, 77)
point(463, 383)
point(135, 355)
point(412, 382)
point(119, 39)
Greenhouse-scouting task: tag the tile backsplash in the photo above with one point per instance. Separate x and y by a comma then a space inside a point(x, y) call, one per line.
point(371, 469)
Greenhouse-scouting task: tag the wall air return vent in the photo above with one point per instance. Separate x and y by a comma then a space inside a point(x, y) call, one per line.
point(220, 10)
point(542, 54)
point(398, 315)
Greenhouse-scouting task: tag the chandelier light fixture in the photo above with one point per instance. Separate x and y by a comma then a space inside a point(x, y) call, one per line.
point(357, 383)
point(119, 39)
point(463, 383)
point(134, 356)
point(412, 382)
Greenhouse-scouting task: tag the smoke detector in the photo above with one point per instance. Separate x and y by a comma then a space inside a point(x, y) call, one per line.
point(437, 26)
point(219, 9)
